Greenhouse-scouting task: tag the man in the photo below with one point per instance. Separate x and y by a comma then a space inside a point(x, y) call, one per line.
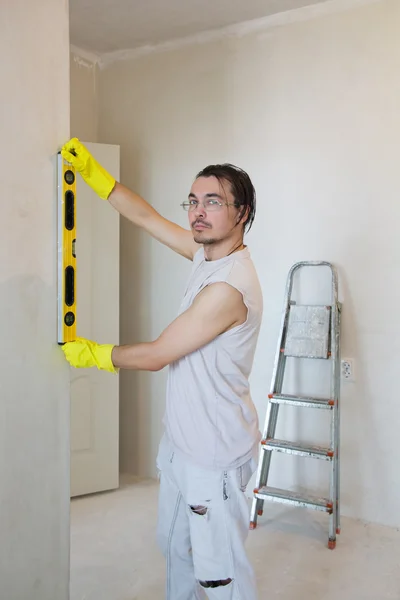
point(210, 446)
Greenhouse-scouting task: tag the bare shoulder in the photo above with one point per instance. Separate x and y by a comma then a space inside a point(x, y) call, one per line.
point(220, 290)
point(222, 301)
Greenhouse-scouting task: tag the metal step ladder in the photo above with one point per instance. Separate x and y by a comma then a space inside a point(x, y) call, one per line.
point(306, 331)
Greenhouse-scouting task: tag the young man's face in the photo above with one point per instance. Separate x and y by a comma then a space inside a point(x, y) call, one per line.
point(209, 222)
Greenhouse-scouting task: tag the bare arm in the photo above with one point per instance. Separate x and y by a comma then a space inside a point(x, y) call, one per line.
point(127, 203)
point(218, 308)
point(141, 213)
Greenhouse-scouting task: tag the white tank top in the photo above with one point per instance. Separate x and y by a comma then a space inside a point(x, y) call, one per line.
point(210, 416)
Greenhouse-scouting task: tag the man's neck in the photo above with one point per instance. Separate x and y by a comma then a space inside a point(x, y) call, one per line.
point(222, 249)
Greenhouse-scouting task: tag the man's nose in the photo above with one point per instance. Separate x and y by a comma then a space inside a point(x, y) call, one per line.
point(199, 211)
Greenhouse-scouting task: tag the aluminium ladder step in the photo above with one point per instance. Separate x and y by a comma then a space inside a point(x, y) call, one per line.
point(298, 449)
point(294, 498)
point(308, 402)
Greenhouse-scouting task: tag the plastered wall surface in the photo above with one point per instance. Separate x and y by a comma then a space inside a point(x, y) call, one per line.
point(34, 376)
point(83, 74)
point(311, 111)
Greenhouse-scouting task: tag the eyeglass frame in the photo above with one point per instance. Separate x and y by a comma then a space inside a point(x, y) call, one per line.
point(189, 207)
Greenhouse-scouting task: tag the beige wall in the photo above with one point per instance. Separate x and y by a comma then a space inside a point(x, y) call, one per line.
point(83, 74)
point(34, 376)
point(311, 110)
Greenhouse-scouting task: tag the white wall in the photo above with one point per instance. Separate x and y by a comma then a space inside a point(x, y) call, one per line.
point(311, 110)
point(83, 71)
point(34, 376)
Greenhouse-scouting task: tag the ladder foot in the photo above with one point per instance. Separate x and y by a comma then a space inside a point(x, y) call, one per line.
point(332, 544)
point(338, 530)
point(260, 512)
point(253, 524)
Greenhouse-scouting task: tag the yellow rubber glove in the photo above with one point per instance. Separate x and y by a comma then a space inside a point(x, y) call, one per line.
point(83, 354)
point(93, 174)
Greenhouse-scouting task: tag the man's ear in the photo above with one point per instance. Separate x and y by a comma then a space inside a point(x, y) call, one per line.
point(243, 214)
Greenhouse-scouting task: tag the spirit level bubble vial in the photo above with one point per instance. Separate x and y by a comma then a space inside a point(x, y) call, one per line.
point(66, 255)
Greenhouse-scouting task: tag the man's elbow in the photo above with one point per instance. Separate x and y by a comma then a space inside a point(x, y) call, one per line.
point(156, 366)
point(162, 355)
point(157, 363)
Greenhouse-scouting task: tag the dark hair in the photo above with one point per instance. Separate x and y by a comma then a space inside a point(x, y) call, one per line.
point(242, 188)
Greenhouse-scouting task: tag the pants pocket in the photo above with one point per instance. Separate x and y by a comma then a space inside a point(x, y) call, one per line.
point(165, 455)
point(244, 474)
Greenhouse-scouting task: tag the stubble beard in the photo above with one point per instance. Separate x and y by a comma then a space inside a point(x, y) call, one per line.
point(203, 237)
point(205, 241)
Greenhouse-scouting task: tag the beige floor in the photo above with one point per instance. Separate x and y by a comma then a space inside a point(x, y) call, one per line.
point(114, 554)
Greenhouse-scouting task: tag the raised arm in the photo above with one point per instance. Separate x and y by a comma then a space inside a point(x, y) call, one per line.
point(127, 203)
point(141, 213)
point(216, 309)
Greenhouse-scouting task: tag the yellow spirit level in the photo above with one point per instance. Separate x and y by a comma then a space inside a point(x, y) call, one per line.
point(66, 255)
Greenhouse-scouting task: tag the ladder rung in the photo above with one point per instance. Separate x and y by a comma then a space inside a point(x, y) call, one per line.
point(286, 497)
point(299, 449)
point(302, 401)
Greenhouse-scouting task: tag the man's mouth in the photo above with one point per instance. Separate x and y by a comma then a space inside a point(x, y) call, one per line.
point(199, 226)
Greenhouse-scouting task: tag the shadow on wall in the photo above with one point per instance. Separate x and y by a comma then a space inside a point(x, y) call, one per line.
point(151, 281)
point(135, 326)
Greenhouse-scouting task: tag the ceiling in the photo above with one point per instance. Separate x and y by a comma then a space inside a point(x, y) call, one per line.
point(103, 26)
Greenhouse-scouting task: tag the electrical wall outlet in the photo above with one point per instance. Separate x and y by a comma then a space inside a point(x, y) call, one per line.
point(347, 369)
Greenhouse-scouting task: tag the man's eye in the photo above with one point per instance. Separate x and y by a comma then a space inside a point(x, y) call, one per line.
point(212, 202)
point(193, 202)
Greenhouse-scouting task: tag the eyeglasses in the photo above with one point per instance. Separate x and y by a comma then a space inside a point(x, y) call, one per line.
point(211, 204)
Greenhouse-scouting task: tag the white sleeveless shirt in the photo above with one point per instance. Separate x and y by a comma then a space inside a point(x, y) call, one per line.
point(210, 416)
